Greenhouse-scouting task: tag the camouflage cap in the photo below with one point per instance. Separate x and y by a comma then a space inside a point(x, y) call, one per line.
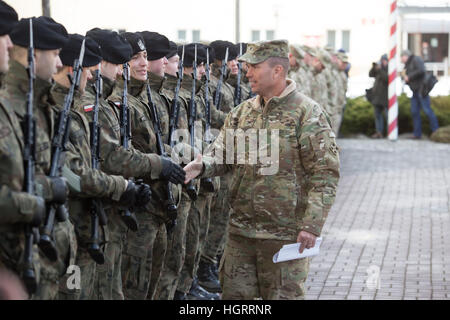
point(309, 50)
point(261, 51)
point(323, 56)
point(297, 51)
point(342, 56)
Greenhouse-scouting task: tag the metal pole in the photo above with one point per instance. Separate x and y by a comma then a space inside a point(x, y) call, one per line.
point(238, 24)
point(46, 8)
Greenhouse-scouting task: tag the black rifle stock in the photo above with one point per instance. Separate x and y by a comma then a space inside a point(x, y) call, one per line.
point(169, 203)
point(207, 183)
point(98, 216)
point(238, 89)
point(29, 158)
point(127, 216)
point(190, 188)
point(59, 140)
point(218, 97)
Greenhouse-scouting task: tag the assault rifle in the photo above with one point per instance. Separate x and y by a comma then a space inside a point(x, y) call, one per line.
point(218, 96)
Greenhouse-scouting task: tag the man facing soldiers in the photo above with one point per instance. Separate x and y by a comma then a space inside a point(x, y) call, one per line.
point(266, 216)
point(49, 37)
point(93, 183)
point(116, 159)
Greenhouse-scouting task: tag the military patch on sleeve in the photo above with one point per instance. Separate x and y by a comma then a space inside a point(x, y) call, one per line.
point(88, 108)
point(117, 103)
point(334, 148)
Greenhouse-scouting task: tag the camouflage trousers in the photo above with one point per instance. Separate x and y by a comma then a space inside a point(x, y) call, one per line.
point(197, 230)
point(108, 278)
point(87, 267)
point(143, 257)
point(247, 271)
point(217, 232)
point(176, 253)
point(53, 273)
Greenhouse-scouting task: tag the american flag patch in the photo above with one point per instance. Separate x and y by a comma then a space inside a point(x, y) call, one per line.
point(88, 108)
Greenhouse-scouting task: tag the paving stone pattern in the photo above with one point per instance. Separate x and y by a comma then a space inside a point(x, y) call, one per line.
point(390, 221)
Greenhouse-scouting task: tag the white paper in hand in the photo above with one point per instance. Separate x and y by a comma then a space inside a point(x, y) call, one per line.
point(290, 252)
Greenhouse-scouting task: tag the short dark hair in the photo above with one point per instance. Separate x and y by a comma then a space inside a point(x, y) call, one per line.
point(283, 62)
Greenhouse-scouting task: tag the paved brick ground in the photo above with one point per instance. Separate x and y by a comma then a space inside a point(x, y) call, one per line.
point(391, 218)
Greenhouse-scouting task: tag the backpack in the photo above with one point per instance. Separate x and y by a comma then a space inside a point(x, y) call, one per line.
point(428, 83)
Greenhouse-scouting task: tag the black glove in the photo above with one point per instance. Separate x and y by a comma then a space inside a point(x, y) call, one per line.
point(172, 171)
point(128, 198)
point(59, 189)
point(143, 194)
point(39, 212)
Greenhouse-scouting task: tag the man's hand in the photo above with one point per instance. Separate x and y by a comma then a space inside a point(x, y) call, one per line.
point(193, 168)
point(307, 240)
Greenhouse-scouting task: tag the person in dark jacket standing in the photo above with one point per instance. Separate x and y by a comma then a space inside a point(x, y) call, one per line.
point(379, 71)
point(414, 77)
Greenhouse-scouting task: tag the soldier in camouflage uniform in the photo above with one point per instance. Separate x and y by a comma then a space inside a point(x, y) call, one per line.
point(276, 201)
point(298, 70)
point(142, 258)
point(85, 183)
point(118, 160)
point(17, 207)
point(233, 65)
point(220, 211)
point(342, 61)
point(333, 86)
point(49, 37)
point(198, 217)
point(176, 240)
point(319, 89)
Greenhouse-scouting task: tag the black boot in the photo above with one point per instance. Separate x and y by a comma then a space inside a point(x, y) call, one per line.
point(179, 295)
point(207, 278)
point(198, 293)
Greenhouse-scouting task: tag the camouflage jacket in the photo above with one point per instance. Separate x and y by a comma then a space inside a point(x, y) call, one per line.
point(93, 182)
point(227, 91)
point(115, 159)
point(143, 133)
point(319, 89)
point(16, 88)
point(298, 194)
point(302, 77)
point(333, 89)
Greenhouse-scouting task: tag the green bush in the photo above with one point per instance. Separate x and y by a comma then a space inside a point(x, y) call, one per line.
point(359, 117)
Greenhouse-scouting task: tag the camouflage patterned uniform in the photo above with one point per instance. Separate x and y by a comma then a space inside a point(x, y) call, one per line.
point(94, 184)
point(119, 161)
point(176, 241)
point(270, 209)
point(139, 261)
point(16, 86)
point(300, 73)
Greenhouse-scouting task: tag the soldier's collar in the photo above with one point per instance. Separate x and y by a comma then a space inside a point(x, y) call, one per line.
point(108, 86)
point(170, 82)
point(135, 86)
point(155, 81)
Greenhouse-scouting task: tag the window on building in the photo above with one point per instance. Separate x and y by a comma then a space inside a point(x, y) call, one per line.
point(195, 35)
point(346, 40)
point(182, 35)
point(331, 38)
point(256, 35)
point(270, 34)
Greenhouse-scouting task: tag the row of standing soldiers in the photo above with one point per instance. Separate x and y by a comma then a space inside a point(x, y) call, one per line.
point(93, 206)
point(322, 74)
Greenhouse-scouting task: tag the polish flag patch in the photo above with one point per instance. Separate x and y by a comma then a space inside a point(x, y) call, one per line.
point(88, 108)
point(117, 103)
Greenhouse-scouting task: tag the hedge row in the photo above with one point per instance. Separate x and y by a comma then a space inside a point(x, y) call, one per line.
point(359, 115)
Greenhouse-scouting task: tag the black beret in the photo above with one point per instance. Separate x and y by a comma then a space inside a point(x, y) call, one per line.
point(71, 51)
point(47, 33)
point(173, 50)
point(8, 18)
point(189, 54)
point(135, 40)
point(220, 48)
point(115, 49)
point(238, 47)
point(157, 45)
